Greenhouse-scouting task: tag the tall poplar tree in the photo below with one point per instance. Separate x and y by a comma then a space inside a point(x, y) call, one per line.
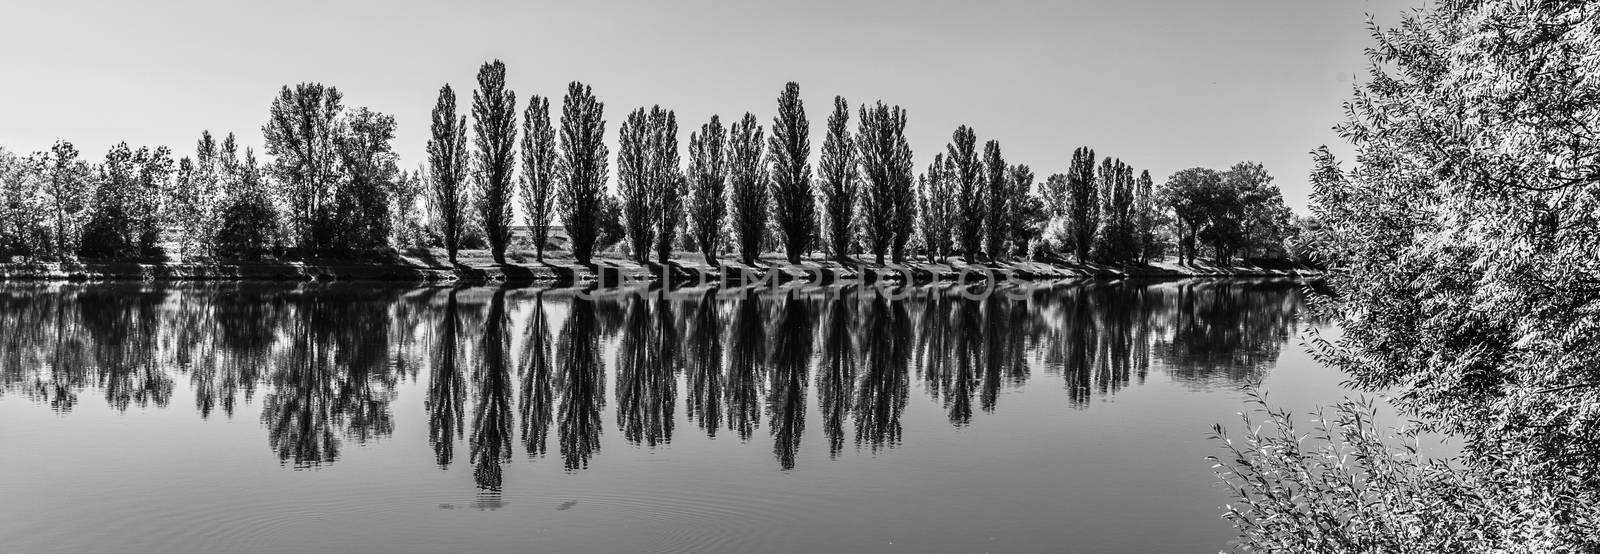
point(667, 177)
point(447, 171)
point(634, 182)
point(888, 201)
point(839, 181)
point(747, 183)
point(1083, 202)
point(998, 200)
point(494, 122)
point(539, 159)
point(967, 172)
point(1145, 216)
point(794, 207)
point(708, 199)
point(583, 168)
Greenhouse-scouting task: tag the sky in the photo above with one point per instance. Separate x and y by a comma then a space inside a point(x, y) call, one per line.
point(1162, 85)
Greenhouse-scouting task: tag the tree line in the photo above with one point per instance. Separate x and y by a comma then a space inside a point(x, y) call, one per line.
point(332, 185)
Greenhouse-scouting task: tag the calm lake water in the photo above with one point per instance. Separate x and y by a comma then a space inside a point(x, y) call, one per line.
point(352, 417)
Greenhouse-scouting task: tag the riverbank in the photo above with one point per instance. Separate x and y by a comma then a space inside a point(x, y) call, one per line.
point(612, 271)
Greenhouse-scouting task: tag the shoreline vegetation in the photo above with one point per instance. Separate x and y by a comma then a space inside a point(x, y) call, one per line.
point(617, 271)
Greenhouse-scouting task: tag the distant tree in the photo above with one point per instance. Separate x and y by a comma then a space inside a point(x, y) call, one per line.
point(1264, 221)
point(539, 162)
point(635, 186)
point(370, 172)
point(839, 181)
point(967, 172)
point(196, 197)
point(300, 132)
point(404, 223)
point(609, 228)
point(583, 169)
point(447, 171)
point(1083, 202)
point(747, 183)
point(247, 216)
point(708, 175)
point(794, 203)
point(998, 200)
point(494, 124)
point(888, 200)
point(1027, 216)
point(66, 182)
point(936, 209)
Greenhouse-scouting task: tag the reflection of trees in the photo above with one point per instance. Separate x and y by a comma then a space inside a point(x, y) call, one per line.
point(883, 388)
point(747, 347)
point(124, 350)
point(836, 376)
point(536, 401)
point(582, 383)
point(703, 365)
point(491, 417)
point(299, 412)
point(646, 384)
point(791, 360)
point(446, 388)
point(1227, 332)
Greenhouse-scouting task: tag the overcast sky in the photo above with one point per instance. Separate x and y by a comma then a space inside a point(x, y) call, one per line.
point(1162, 85)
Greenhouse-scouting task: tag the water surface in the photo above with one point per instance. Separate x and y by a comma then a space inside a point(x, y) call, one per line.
point(352, 417)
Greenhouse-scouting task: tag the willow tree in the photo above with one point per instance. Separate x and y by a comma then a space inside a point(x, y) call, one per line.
point(967, 172)
point(707, 180)
point(794, 204)
point(1083, 202)
point(301, 128)
point(936, 209)
point(494, 122)
point(447, 171)
point(583, 168)
point(839, 181)
point(998, 200)
point(888, 202)
point(538, 171)
point(747, 183)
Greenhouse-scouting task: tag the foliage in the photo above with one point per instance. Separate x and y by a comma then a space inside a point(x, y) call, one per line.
point(708, 175)
point(65, 186)
point(494, 125)
point(840, 182)
point(1119, 240)
point(649, 181)
point(794, 204)
point(583, 169)
point(539, 160)
point(447, 172)
point(747, 187)
point(1026, 216)
point(248, 218)
point(998, 200)
point(370, 171)
point(24, 229)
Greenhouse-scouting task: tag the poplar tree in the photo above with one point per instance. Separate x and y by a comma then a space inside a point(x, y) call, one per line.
point(998, 200)
point(634, 182)
point(1145, 217)
point(967, 172)
point(747, 183)
point(937, 209)
point(1026, 215)
point(494, 116)
point(583, 168)
point(667, 177)
point(447, 171)
point(708, 174)
point(1118, 234)
point(794, 208)
point(1083, 202)
point(839, 181)
point(888, 201)
point(539, 159)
